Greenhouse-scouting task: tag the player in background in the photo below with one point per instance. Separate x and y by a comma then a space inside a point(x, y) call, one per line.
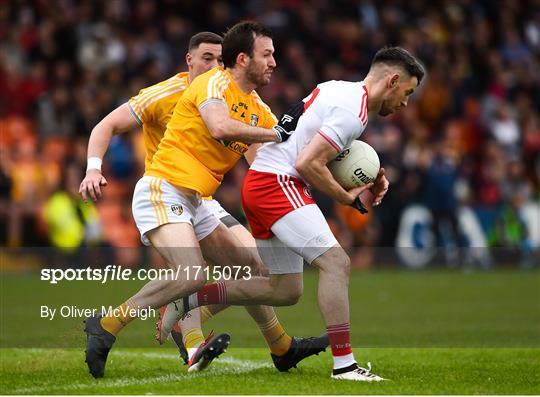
point(152, 109)
point(173, 216)
point(286, 222)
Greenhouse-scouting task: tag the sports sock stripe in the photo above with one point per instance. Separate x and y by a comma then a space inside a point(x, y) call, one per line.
point(340, 341)
point(336, 327)
point(335, 331)
point(269, 324)
point(222, 290)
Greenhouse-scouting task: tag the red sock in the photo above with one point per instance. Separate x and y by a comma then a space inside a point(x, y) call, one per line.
point(340, 339)
point(211, 294)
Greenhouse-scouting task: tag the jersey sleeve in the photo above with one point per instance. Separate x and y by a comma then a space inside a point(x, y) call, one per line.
point(151, 104)
point(142, 107)
point(340, 128)
point(211, 90)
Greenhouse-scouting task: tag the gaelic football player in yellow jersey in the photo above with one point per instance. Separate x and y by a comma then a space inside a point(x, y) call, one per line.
point(176, 212)
point(152, 109)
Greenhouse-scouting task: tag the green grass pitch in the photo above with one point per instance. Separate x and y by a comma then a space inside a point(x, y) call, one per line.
point(433, 332)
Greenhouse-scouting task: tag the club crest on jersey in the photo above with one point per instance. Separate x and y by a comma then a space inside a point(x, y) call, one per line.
point(177, 209)
point(254, 120)
point(307, 191)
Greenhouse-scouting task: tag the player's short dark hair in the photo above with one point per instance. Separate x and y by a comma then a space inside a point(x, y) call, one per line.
point(241, 38)
point(397, 56)
point(204, 37)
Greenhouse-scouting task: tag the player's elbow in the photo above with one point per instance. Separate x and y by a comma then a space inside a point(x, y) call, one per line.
point(301, 165)
point(104, 129)
point(306, 167)
point(218, 132)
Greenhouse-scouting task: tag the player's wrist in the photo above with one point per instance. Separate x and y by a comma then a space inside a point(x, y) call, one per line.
point(93, 164)
point(348, 199)
point(279, 131)
point(359, 205)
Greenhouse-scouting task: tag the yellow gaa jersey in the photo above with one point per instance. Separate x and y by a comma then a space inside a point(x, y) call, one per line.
point(188, 156)
point(153, 108)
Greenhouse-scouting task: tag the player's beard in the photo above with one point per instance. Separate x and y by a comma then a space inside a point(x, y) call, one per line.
point(385, 110)
point(255, 76)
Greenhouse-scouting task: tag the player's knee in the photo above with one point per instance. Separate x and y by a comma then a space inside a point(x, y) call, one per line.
point(290, 296)
point(336, 262)
point(294, 296)
point(344, 265)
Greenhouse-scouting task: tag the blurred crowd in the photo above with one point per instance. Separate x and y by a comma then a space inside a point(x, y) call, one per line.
point(469, 136)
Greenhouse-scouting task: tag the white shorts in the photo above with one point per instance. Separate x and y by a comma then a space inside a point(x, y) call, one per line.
point(302, 234)
point(215, 208)
point(156, 202)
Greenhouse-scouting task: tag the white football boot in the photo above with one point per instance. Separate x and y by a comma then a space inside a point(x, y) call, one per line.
point(354, 372)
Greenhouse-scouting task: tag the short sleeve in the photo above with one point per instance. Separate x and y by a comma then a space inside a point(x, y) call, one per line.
point(211, 89)
point(340, 128)
point(140, 113)
point(152, 103)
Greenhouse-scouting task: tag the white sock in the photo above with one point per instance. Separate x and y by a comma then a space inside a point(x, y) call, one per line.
point(343, 361)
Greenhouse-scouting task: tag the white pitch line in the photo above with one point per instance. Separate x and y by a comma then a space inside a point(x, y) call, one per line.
point(248, 364)
point(104, 383)
point(229, 365)
point(161, 356)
